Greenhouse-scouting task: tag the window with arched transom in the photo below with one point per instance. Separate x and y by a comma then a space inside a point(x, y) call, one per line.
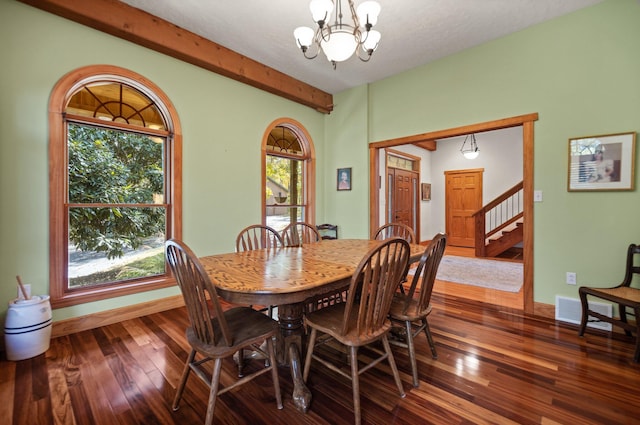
point(288, 189)
point(114, 185)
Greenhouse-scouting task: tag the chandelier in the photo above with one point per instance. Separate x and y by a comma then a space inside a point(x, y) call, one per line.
point(340, 40)
point(471, 151)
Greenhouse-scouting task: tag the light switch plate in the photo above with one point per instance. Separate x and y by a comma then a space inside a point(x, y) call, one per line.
point(537, 196)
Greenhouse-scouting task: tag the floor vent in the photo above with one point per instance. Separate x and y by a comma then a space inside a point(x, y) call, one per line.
point(570, 310)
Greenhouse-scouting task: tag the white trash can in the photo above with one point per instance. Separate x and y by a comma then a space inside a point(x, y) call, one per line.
point(27, 330)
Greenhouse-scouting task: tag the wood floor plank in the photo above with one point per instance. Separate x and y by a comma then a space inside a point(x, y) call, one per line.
point(58, 357)
point(7, 380)
point(103, 398)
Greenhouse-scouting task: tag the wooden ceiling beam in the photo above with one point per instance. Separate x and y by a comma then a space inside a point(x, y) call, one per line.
point(430, 145)
point(131, 24)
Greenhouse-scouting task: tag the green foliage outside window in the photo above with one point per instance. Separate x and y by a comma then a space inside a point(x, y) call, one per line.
point(108, 166)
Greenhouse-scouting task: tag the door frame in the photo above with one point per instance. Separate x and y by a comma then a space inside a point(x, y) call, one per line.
point(428, 140)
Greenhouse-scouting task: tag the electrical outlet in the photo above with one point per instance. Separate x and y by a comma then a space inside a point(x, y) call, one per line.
point(571, 278)
point(27, 289)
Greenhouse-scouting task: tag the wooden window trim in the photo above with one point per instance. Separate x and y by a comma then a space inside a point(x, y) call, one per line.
point(309, 166)
point(58, 250)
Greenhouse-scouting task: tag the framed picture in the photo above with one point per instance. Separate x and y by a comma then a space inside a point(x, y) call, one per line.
point(602, 162)
point(344, 178)
point(426, 191)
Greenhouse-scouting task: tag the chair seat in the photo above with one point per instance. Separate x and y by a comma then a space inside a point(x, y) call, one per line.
point(414, 311)
point(248, 326)
point(621, 295)
point(329, 320)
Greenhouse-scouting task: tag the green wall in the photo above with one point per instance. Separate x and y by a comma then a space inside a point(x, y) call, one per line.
point(579, 72)
point(223, 123)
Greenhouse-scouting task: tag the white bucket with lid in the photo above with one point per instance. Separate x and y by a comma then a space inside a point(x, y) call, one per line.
point(27, 330)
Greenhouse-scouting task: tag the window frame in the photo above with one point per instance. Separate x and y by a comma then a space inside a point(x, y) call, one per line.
point(308, 161)
point(60, 295)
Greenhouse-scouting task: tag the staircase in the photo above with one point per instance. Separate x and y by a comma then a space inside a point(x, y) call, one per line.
point(499, 224)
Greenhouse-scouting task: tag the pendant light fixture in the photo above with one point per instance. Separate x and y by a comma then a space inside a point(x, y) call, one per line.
point(470, 151)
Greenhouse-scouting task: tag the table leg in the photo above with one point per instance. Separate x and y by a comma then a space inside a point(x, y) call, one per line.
point(290, 347)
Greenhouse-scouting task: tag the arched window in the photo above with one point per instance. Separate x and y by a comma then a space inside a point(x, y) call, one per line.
point(114, 184)
point(288, 189)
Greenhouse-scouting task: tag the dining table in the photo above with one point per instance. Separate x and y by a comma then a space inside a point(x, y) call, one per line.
point(287, 277)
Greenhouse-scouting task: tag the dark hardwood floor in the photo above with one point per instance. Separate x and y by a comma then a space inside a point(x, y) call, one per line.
point(494, 366)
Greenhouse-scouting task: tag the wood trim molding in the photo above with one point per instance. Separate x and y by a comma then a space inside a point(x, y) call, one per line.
point(457, 131)
point(548, 311)
point(139, 27)
point(103, 318)
point(527, 123)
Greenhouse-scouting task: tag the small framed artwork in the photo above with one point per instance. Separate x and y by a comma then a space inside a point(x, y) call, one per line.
point(604, 162)
point(426, 191)
point(344, 178)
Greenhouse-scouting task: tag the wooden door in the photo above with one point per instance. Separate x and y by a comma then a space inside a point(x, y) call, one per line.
point(400, 206)
point(463, 197)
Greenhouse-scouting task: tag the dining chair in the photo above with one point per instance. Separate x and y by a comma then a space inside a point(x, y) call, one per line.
point(328, 231)
point(390, 230)
point(215, 334)
point(258, 236)
point(400, 230)
point(363, 318)
point(410, 310)
point(299, 233)
point(625, 295)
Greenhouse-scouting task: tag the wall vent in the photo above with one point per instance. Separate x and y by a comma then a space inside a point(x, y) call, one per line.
point(570, 310)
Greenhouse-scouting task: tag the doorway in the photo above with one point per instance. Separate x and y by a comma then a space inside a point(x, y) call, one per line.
point(402, 189)
point(428, 141)
point(401, 203)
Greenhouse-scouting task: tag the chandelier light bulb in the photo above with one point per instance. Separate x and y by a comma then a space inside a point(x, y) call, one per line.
point(371, 41)
point(303, 36)
point(321, 11)
point(368, 12)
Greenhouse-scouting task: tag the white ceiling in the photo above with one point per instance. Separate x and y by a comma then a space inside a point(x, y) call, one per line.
point(414, 32)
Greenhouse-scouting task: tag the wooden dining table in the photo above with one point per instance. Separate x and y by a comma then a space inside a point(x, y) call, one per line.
point(287, 277)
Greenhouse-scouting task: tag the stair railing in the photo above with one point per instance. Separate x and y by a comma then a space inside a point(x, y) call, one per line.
point(504, 210)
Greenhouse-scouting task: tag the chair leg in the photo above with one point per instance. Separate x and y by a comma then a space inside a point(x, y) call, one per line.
point(274, 372)
point(623, 317)
point(427, 331)
point(392, 363)
point(183, 380)
point(307, 360)
point(240, 363)
point(355, 381)
point(412, 353)
point(636, 356)
point(585, 313)
point(213, 393)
